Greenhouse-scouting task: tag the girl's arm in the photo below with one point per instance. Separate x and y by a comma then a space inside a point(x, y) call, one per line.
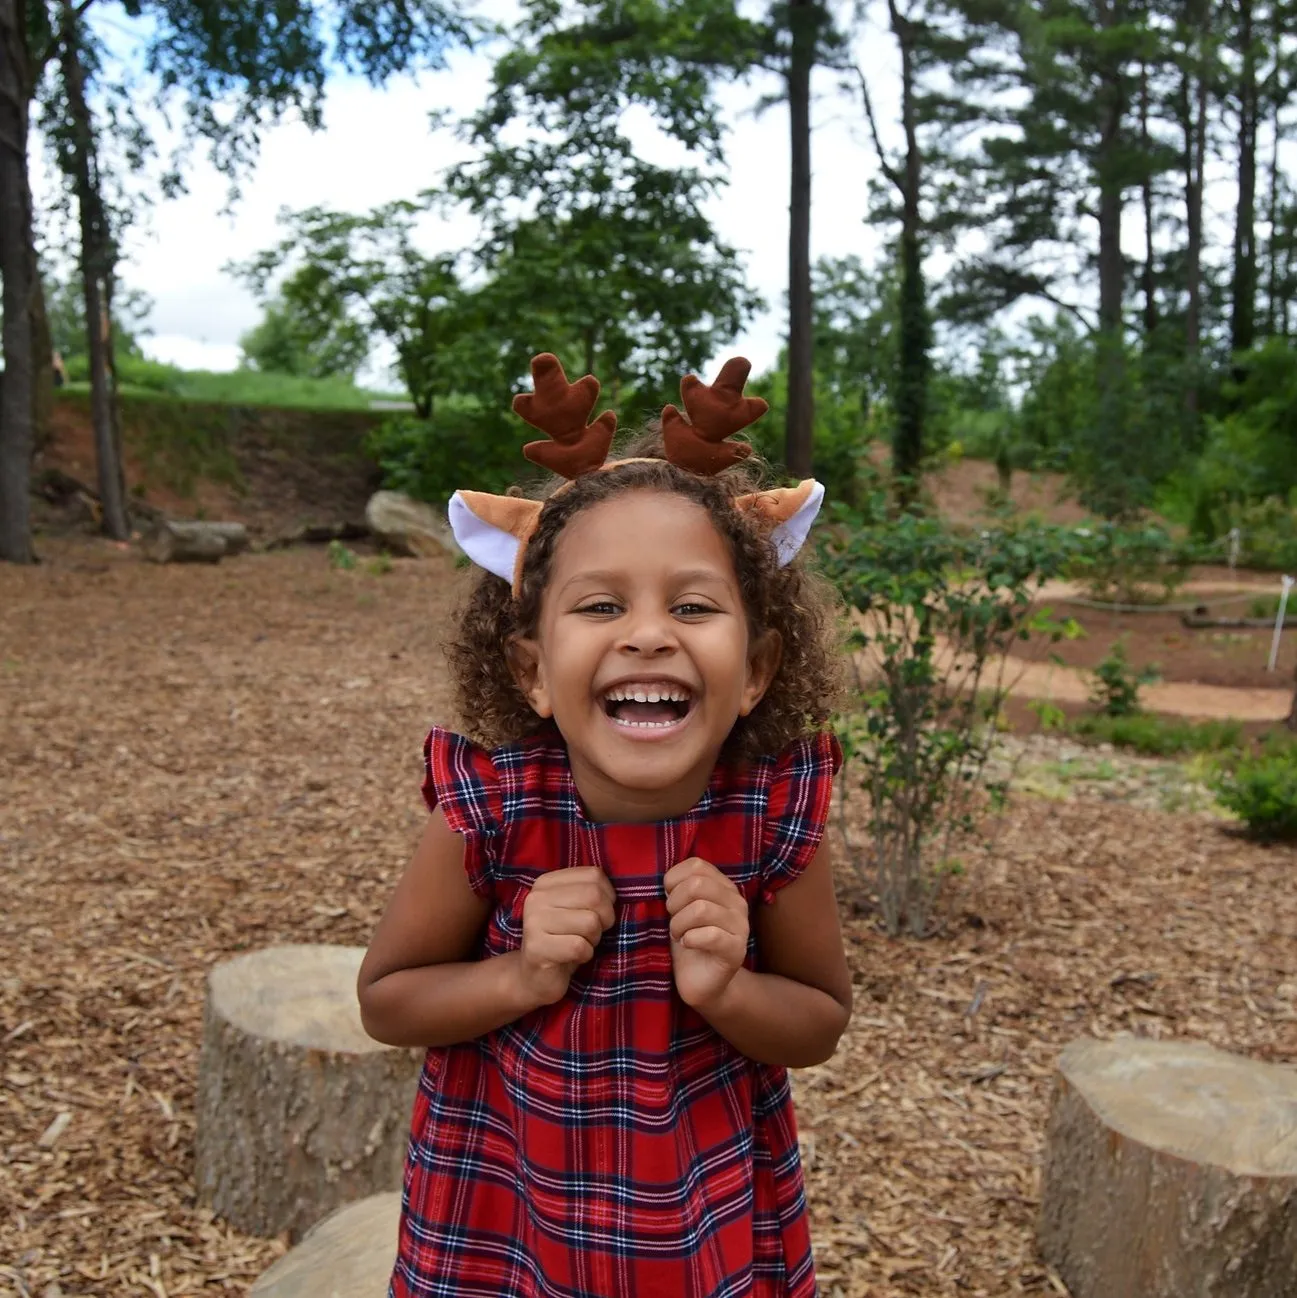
point(419, 984)
point(793, 1011)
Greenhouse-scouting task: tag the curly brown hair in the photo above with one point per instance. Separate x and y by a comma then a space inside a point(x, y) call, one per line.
point(792, 601)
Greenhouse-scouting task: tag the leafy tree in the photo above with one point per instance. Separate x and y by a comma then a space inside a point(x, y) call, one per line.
point(305, 330)
point(232, 73)
point(614, 255)
point(356, 280)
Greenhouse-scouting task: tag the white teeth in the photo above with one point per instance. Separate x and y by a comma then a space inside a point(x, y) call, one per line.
point(647, 694)
point(644, 725)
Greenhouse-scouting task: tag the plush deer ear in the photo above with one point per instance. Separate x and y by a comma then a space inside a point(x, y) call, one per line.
point(493, 530)
point(791, 509)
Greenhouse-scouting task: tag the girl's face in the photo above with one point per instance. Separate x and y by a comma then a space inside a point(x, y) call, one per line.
point(642, 655)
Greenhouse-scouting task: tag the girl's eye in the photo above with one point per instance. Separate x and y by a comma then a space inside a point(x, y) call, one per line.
point(601, 608)
point(692, 610)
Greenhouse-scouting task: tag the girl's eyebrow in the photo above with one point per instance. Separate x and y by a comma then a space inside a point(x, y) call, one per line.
point(688, 576)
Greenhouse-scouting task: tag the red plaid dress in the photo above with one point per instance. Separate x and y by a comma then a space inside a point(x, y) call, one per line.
point(612, 1145)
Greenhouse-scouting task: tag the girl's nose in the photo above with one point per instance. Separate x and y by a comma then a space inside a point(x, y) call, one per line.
point(649, 633)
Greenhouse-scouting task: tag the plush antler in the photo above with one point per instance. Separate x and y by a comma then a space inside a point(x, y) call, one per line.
point(560, 410)
point(715, 411)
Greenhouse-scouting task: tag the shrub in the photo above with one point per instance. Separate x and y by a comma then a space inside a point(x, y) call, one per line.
point(1157, 736)
point(1131, 565)
point(341, 559)
point(460, 447)
point(935, 612)
point(1261, 789)
point(1117, 684)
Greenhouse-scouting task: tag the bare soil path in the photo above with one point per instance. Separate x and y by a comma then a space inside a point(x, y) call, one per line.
point(199, 761)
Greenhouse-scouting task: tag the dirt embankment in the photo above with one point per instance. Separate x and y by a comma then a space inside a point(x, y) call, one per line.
point(272, 469)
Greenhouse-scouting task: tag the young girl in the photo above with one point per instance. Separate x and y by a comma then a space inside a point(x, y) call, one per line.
point(619, 927)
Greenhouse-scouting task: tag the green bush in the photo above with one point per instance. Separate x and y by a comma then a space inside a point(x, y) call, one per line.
point(1262, 790)
point(1117, 683)
point(459, 447)
point(1131, 564)
point(1158, 736)
point(937, 610)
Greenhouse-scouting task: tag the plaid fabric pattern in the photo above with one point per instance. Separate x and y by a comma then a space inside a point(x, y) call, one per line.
point(612, 1145)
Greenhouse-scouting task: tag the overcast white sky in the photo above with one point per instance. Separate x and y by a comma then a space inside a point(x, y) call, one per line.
point(376, 146)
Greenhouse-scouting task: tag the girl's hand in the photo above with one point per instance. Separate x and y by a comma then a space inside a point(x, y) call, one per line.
point(563, 918)
point(709, 930)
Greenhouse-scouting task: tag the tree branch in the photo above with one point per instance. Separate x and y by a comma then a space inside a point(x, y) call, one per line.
point(888, 170)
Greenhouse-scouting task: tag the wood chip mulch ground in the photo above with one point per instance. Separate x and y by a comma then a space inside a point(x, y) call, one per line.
point(198, 761)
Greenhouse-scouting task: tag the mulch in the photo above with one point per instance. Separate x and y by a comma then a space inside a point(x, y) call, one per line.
point(199, 761)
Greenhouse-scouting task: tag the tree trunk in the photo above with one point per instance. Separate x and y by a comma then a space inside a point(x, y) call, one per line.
point(97, 256)
point(907, 453)
point(1243, 285)
point(1193, 108)
point(42, 359)
point(1111, 363)
point(803, 18)
point(299, 1112)
point(1291, 722)
point(1146, 188)
point(1170, 1170)
point(15, 267)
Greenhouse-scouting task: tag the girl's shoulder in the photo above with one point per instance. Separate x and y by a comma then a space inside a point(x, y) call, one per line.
point(477, 788)
point(811, 759)
point(793, 791)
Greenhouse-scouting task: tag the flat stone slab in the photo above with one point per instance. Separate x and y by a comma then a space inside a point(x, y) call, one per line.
point(347, 1255)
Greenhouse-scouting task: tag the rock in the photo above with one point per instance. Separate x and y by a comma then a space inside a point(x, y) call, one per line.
point(171, 541)
point(347, 1255)
point(1170, 1172)
point(299, 1111)
point(409, 526)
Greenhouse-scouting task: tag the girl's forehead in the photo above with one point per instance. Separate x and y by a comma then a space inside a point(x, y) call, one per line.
point(642, 530)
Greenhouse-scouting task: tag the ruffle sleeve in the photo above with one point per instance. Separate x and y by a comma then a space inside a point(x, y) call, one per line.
point(797, 809)
point(460, 778)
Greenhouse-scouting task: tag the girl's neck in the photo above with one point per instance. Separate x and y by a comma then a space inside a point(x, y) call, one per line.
point(606, 801)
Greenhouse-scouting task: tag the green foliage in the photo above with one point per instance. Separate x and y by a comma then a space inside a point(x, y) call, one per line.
point(305, 331)
point(936, 611)
point(341, 558)
point(461, 446)
point(1154, 735)
point(379, 566)
point(1131, 564)
point(237, 388)
point(1117, 683)
point(1261, 789)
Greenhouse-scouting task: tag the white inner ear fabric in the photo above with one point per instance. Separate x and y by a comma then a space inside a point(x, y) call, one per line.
point(789, 537)
point(489, 547)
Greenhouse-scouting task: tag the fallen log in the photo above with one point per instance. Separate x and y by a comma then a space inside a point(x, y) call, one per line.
point(320, 534)
point(172, 541)
point(299, 1111)
point(1170, 1170)
point(1196, 621)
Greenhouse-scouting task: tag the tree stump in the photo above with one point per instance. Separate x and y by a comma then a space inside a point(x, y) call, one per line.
point(298, 1110)
point(170, 541)
point(348, 1255)
point(1170, 1172)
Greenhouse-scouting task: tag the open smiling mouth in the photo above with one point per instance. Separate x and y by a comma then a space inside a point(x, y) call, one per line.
point(645, 706)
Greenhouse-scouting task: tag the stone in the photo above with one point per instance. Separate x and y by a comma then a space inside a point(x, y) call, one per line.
point(409, 526)
point(347, 1255)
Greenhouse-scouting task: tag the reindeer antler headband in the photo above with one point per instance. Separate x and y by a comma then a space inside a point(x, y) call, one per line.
point(494, 530)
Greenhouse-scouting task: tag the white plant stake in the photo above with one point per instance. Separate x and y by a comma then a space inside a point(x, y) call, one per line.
point(1234, 538)
point(1278, 623)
